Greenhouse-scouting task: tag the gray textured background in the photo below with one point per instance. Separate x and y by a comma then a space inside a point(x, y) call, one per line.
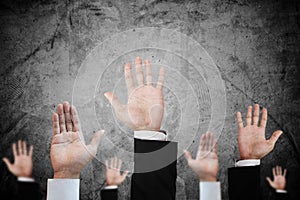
point(255, 45)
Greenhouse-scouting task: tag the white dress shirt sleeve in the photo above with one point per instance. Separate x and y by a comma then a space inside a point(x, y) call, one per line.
point(210, 191)
point(25, 179)
point(63, 189)
point(247, 163)
point(150, 135)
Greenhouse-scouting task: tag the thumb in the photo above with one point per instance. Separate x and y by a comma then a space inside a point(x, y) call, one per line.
point(113, 100)
point(96, 139)
point(8, 163)
point(188, 155)
point(270, 182)
point(125, 173)
point(275, 137)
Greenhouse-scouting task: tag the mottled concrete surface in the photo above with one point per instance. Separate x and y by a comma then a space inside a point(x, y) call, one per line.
point(255, 45)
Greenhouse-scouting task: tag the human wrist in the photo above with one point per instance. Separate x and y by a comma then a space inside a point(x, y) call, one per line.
point(208, 179)
point(66, 174)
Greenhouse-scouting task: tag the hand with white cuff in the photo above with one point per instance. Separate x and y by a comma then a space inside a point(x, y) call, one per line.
point(69, 153)
point(145, 106)
point(22, 166)
point(113, 175)
point(252, 142)
point(206, 164)
point(279, 181)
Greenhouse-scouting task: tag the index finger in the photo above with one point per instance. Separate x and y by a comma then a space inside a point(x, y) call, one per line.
point(161, 79)
point(239, 120)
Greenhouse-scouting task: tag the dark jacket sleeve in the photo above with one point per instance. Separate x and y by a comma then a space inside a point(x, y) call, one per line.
point(28, 190)
point(109, 194)
point(154, 170)
point(282, 196)
point(244, 183)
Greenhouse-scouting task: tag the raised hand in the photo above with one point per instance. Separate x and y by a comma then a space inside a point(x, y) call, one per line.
point(113, 175)
point(206, 164)
point(22, 166)
point(69, 153)
point(145, 106)
point(279, 181)
point(251, 138)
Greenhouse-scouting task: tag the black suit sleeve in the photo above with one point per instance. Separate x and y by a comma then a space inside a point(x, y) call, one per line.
point(28, 190)
point(282, 196)
point(109, 194)
point(154, 170)
point(244, 183)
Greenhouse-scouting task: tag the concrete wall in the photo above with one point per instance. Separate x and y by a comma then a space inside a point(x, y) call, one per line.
point(254, 45)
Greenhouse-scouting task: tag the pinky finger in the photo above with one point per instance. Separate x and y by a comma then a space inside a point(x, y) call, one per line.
point(30, 150)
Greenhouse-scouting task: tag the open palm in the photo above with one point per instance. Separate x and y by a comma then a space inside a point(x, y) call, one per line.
point(22, 166)
point(113, 175)
point(145, 106)
point(206, 164)
point(69, 153)
point(279, 181)
point(252, 141)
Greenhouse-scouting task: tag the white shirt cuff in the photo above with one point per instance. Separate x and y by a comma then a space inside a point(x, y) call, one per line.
point(110, 187)
point(150, 135)
point(281, 191)
point(25, 179)
point(67, 189)
point(247, 163)
point(210, 191)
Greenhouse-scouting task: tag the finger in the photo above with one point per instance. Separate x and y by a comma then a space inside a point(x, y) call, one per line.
point(119, 164)
point(188, 155)
point(206, 142)
point(277, 171)
point(273, 139)
point(96, 140)
point(211, 148)
point(61, 116)
point(24, 148)
point(20, 147)
point(215, 145)
point(284, 172)
point(55, 124)
point(269, 180)
point(8, 163)
point(202, 142)
point(249, 116)
point(30, 151)
point(106, 165)
point(75, 119)
point(14, 150)
point(115, 162)
point(125, 173)
point(274, 171)
point(280, 170)
point(139, 71)
point(148, 72)
point(67, 113)
point(264, 118)
point(256, 114)
point(112, 162)
point(128, 77)
point(114, 101)
point(161, 79)
point(239, 120)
